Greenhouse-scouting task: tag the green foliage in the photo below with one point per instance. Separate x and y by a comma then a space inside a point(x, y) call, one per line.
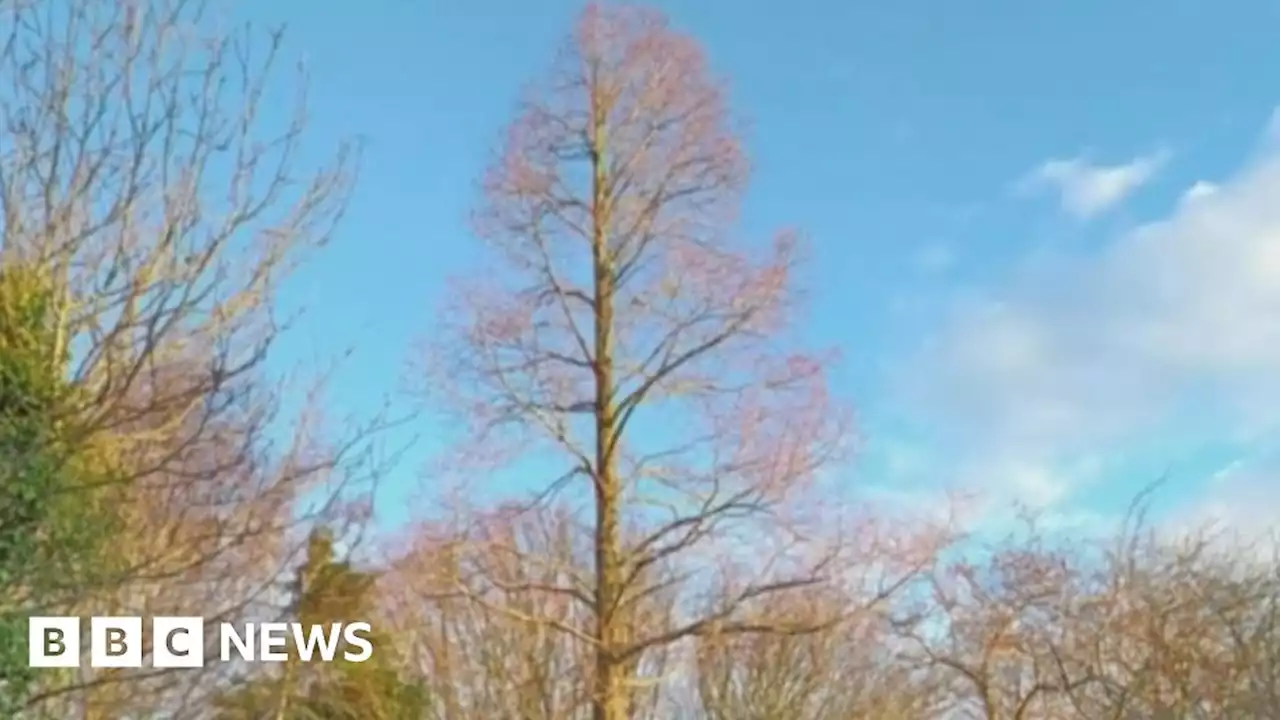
point(29, 462)
point(328, 590)
point(31, 457)
point(50, 526)
point(331, 591)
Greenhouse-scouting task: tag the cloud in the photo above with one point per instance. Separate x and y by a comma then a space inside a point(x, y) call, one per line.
point(1199, 190)
point(1171, 331)
point(1087, 190)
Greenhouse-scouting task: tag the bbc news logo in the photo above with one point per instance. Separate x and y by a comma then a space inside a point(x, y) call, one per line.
point(178, 642)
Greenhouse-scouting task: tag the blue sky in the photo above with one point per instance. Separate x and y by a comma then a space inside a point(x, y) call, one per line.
point(1027, 301)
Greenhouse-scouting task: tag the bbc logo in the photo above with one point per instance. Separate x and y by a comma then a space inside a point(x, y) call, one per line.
point(178, 642)
point(115, 642)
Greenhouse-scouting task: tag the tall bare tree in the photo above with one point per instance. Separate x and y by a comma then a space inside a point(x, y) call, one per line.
point(623, 330)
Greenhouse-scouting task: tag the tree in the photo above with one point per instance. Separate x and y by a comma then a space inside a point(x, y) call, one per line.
point(329, 591)
point(160, 208)
point(1184, 629)
point(621, 328)
point(1119, 626)
point(849, 669)
point(994, 631)
point(463, 600)
point(53, 522)
point(473, 600)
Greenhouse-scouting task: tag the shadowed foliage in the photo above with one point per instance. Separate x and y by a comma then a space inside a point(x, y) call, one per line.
point(329, 591)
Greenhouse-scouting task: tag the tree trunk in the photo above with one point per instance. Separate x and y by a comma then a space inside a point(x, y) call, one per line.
point(610, 692)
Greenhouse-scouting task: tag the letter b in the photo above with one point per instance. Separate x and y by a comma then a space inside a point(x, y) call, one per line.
point(53, 642)
point(115, 642)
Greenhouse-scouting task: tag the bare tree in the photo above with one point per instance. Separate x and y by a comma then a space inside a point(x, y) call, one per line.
point(141, 175)
point(998, 634)
point(844, 670)
point(1182, 629)
point(469, 602)
point(621, 330)
point(1114, 627)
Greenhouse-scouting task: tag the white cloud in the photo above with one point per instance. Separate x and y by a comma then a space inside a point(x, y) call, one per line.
point(1087, 190)
point(1173, 326)
point(1199, 190)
